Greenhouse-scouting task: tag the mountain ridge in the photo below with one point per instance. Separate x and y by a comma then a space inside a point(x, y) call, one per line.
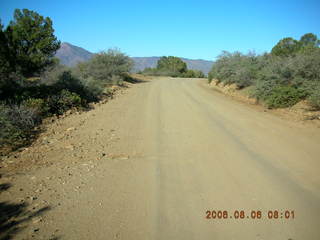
point(70, 55)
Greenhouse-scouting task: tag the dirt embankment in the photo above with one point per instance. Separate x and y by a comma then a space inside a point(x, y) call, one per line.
point(39, 178)
point(299, 112)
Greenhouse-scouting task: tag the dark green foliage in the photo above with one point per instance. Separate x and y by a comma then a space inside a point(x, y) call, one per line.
point(68, 81)
point(60, 77)
point(193, 74)
point(9, 83)
point(286, 47)
point(282, 96)
point(63, 101)
point(27, 46)
point(5, 66)
point(31, 42)
point(173, 65)
point(8, 77)
point(160, 72)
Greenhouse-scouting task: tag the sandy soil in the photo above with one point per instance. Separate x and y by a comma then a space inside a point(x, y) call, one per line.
point(151, 162)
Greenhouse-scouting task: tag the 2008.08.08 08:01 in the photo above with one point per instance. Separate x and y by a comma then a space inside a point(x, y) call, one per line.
point(253, 214)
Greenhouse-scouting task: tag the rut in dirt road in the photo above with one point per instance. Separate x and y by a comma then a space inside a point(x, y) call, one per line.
point(182, 150)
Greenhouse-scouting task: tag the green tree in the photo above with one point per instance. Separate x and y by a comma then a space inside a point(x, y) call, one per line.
point(6, 63)
point(4, 53)
point(309, 39)
point(286, 47)
point(32, 43)
point(173, 65)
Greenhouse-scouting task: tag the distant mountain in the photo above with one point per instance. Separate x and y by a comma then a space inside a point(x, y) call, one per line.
point(199, 64)
point(140, 63)
point(70, 55)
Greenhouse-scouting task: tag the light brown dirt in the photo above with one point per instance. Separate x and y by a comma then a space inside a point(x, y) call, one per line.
point(150, 163)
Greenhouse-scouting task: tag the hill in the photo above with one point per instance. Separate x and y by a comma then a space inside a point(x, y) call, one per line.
point(70, 55)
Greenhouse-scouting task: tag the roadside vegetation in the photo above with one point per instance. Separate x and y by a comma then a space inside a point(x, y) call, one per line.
point(33, 85)
point(282, 78)
point(173, 67)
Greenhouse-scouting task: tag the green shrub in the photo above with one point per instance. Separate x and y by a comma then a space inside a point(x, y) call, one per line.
point(38, 105)
point(282, 96)
point(160, 72)
point(69, 99)
point(52, 74)
point(63, 101)
point(235, 68)
point(307, 65)
point(8, 132)
point(104, 66)
point(306, 72)
point(10, 84)
point(71, 83)
point(116, 80)
point(88, 89)
point(278, 81)
point(192, 74)
point(93, 88)
point(314, 99)
point(210, 77)
point(108, 92)
point(263, 89)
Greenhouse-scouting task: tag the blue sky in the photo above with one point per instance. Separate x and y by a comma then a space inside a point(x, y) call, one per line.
point(192, 29)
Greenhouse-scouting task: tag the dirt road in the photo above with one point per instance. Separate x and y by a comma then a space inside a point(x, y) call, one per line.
point(149, 164)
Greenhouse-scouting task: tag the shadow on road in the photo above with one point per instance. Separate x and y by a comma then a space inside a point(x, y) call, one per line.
point(135, 80)
point(14, 215)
